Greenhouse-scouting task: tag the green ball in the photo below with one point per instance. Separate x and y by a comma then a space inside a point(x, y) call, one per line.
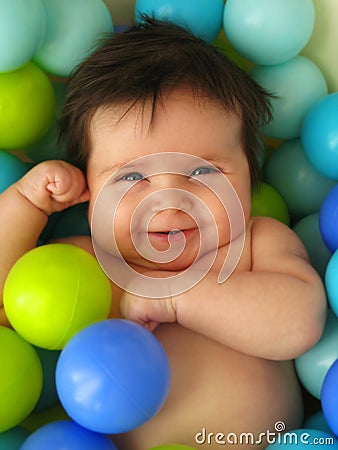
point(54, 291)
point(266, 201)
point(20, 379)
point(27, 106)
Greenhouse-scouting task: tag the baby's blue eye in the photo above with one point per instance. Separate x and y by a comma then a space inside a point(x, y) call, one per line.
point(132, 176)
point(203, 170)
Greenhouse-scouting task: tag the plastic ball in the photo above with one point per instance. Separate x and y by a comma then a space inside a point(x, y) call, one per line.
point(322, 46)
point(53, 291)
point(298, 84)
point(113, 376)
point(329, 397)
point(202, 17)
point(48, 396)
point(11, 169)
point(308, 231)
point(20, 379)
point(66, 435)
point(27, 103)
point(331, 282)
point(269, 32)
point(302, 439)
point(22, 28)
point(301, 185)
point(74, 28)
point(266, 201)
point(319, 135)
point(13, 438)
point(313, 365)
point(328, 219)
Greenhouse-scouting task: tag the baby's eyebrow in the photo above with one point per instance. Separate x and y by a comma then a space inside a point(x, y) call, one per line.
point(115, 167)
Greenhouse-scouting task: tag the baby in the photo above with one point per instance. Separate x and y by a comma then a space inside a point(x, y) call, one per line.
point(169, 127)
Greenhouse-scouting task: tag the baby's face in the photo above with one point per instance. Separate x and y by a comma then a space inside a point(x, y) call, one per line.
point(168, 181)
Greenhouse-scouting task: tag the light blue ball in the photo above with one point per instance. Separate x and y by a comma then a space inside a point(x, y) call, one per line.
point(74, 28)
point(297, 84)
point(331, 282)
point(309, 233)
point(303, 439)
point(319, 135)
point(113, 376)
point(290, 173)
point(202, 17)
point(313, 365)
point(66, 435)
point(11, 169)
point(268, 32)
point(22, 28)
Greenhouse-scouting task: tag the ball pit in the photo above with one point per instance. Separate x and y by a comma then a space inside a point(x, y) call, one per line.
point(266, 201)
point(113, 376)
point(53, 291)
point(305, 178)
point(20, 379)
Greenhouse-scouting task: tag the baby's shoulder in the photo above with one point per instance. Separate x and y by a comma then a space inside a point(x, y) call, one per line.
point(271, 234)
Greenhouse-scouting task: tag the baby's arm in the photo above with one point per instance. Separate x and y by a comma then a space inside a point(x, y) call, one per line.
point(275, 311)
point(25, 206)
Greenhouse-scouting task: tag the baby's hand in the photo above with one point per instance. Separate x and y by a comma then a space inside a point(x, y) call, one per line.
point(53, 186)
point(148, 312)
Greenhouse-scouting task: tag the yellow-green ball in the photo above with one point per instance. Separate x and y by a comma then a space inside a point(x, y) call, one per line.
point(54, 291)
point(20, 379)
point(27, 106)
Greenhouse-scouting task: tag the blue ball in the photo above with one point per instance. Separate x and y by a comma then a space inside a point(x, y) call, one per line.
point(329, 397)
point(331, 282)
point(319, 135)
point(66, 435)
point(113, 376)
point(202, 17)
point(11, 169)
point(328, 219)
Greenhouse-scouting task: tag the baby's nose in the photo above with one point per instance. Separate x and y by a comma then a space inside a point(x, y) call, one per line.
point(170, 193)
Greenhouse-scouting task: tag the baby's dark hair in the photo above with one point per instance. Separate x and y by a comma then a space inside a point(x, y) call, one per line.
point(148, 60)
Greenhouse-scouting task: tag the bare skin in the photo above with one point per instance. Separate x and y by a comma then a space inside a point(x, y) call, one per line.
point(230, 345)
